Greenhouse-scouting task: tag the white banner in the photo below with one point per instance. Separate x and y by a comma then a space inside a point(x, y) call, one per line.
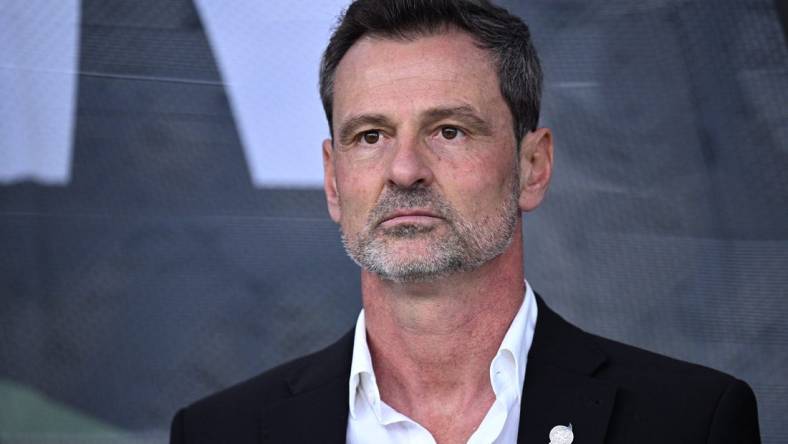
point(39, 42)
point(268, 53)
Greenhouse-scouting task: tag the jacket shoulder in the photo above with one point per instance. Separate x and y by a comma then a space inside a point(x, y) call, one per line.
point(661, 392)
point(560, 342)
point(233, 414)
point(632, 364)
point(657, 398)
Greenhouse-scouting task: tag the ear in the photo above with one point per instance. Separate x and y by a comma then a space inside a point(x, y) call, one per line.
point(536, 167)
point(330, 181)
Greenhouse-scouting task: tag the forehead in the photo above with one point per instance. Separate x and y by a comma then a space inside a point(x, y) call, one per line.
point(380, 72)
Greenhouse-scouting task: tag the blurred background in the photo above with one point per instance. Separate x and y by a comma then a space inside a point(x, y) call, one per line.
point(163, 233)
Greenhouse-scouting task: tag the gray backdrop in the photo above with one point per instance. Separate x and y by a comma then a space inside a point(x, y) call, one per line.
point(160, 274)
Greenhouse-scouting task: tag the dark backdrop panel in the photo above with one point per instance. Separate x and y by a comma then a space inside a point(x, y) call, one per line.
point(667, 224)
point(159, 274)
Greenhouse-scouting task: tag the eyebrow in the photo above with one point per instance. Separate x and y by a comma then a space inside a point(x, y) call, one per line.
point(349, 127)
point(464, 113)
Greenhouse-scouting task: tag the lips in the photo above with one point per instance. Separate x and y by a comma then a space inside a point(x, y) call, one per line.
point(409, 216)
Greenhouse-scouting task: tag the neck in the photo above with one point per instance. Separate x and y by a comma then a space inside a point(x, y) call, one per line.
point(432, 342)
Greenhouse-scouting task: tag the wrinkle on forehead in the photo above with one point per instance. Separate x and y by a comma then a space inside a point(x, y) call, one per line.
point(392, 67)
point(375, 64)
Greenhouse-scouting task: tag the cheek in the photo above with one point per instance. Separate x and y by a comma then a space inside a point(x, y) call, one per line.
point(479, 186)
point(356, 196)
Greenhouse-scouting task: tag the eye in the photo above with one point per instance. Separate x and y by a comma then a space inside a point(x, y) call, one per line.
point(450, 132)
point(371, 137)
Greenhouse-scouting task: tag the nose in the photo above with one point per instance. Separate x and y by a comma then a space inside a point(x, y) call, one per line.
point(409, 165)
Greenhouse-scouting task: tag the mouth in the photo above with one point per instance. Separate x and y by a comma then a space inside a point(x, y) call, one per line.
point(410, 216)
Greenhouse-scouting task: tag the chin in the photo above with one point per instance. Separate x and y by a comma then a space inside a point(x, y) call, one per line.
point(413, 276)
point(410, 268)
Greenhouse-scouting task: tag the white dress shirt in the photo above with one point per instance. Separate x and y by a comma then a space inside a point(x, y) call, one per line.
point(371, 420)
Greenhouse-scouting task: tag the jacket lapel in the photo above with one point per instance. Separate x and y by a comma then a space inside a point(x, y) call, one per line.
point(559, 389)
point(559, 384)
point(317, 409)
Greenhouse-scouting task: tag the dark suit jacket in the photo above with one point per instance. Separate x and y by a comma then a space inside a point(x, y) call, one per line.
point(609, 392)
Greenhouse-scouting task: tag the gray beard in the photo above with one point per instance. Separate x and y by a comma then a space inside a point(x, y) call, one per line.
point(466, 245)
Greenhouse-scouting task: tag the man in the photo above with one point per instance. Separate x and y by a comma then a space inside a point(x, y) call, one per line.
point(435, 151)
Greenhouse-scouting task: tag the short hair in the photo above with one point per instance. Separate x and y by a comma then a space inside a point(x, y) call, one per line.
point(504, 35)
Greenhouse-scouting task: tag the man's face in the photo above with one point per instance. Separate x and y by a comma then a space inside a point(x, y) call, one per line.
point(422, 176)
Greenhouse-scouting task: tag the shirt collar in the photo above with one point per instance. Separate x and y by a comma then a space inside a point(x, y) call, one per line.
point(362, 376)
point(510, 360)
point(512, 355)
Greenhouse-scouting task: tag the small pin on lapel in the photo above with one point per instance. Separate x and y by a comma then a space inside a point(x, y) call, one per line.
point(562, 435)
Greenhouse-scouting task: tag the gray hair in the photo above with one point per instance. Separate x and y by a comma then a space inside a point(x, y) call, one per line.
point(504, 35)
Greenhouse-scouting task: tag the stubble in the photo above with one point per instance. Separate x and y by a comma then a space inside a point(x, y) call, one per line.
point(457, 244)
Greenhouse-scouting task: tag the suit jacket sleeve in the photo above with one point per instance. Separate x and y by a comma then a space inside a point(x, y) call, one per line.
point(176, 429)
point(735, 419)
